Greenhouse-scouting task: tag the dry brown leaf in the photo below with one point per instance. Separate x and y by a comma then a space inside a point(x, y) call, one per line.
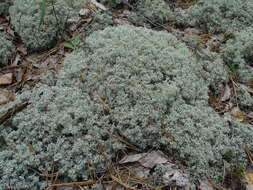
point(6, 96)
point(148, 160)
point(3, 99)
point(6, 79)
point(238, 114)
point(152, 159)
point(131, 158)
point(249, 178)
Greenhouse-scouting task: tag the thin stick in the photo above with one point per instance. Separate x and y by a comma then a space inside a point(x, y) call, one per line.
point(83, 183)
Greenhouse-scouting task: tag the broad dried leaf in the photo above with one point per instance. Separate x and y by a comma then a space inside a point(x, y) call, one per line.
point(6, 79)
point(6, 96)
point(249, 178)
point(238, 114)
point(131, 158)
point(152, 159)
point(148, 160)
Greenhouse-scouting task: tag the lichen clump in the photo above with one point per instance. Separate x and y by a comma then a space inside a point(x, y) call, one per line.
point(136, 83)
point(221, 15)
point(59, 127)
point(237, 54)
point(154, 10)
point(4, 6)
point(37, 31)
point(7, 50)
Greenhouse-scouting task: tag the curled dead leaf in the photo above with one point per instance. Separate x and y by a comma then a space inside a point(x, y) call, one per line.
point(6, 79)
point(6, 96)
point(238, 114)
point(249, 178)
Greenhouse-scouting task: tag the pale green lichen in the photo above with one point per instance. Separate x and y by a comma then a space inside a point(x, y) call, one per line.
point(4, 6)
point(152, 12)
point(156, 10)
point(26, 18)
point(137, 83)
point(100, 21)
point(220, 15)
point(238, 54)
point(60, 128)
point(112, 3)
point(243, 98)
point(77, 4)
point(7, 50)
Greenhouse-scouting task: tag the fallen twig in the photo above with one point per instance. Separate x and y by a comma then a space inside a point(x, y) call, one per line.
point(10, 112)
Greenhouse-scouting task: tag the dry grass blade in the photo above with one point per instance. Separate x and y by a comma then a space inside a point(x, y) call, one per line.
point(73, 184)
point(119, 181)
